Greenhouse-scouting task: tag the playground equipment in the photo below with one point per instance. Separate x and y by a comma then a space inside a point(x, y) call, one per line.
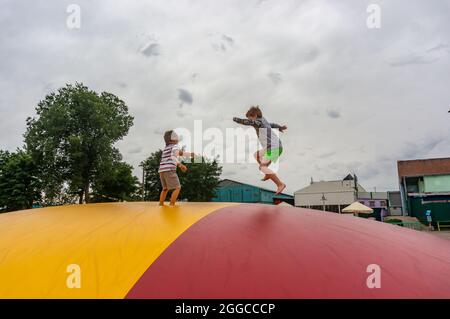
point(214, 250)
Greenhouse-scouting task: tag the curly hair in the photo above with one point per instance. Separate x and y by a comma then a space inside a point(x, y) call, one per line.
point(254, 111)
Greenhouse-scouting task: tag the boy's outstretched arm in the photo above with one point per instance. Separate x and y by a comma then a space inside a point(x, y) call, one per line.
point(179, 164)
point(188, 154)
point(184, 153)
point(246, 121)
point(280, 127)
point(274, 125)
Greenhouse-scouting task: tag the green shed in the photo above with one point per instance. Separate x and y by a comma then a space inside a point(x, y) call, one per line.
point(233, 191)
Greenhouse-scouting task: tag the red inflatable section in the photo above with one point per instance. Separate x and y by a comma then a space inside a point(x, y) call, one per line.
point(261, 251)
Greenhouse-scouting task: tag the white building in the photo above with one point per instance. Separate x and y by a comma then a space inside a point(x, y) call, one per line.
point(331, 196)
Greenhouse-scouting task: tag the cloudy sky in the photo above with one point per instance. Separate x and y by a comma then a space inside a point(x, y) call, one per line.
point(354, 99)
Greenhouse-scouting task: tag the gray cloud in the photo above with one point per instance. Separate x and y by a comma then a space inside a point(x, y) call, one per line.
point(219, 47)
point(260, 2)
point(419, 149)
point(152, 49)
point(185, 97)
point(368, 172)
point(387, 87)
point(440, 46)
point(135, 150)
point(181, 114)
point(310, 55)
point(327, 154)
point(158, 131)
point(275, 77)
point(228, 40)
point(429, 56)
point(222, 43)
point(334, 114)
point(194, 76)
point(413, 60)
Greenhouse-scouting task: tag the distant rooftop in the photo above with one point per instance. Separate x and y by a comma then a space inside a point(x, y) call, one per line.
point(345, 185)
point(423, 167)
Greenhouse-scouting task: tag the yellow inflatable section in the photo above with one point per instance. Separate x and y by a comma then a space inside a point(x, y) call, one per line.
point(106, 246)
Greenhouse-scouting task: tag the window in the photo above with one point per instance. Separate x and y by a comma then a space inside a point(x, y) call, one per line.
point(332, 208)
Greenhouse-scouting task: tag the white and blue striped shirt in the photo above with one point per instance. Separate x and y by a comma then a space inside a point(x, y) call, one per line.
point(169, 158)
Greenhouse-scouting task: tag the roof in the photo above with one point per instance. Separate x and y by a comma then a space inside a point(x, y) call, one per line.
point(373, 195)
point(230, 181)
point(421, 167)
point(328, 187)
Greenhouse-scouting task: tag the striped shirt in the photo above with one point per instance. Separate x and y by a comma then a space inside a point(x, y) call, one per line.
point(169, 158)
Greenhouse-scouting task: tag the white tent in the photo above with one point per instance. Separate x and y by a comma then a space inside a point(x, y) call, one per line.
point(357, 208)
point(284, 204)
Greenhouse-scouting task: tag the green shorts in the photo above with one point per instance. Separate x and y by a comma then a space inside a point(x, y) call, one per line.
point(273, 155)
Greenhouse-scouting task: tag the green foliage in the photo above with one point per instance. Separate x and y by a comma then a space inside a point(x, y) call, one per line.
point(200, 181)
point(115, 182)
point(393, 221)
point(152, 185)
point(73, 135)
point(198, 184)
point(19, 185)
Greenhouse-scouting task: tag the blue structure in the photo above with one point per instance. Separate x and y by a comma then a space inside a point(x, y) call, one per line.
point(232, 191)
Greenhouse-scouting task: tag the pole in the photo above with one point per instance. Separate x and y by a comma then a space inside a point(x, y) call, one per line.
point(143, 182)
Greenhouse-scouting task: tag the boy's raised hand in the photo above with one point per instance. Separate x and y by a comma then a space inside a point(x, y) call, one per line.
point(283, 128)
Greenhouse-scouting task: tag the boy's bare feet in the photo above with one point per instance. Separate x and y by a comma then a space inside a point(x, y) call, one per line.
point(161, 204)
point(266, 177)
point(280, 189)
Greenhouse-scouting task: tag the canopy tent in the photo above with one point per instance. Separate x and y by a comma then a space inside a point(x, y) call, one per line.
point(357, 208)
point(284, 204)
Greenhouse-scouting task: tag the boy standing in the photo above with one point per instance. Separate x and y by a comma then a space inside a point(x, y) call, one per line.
point(168, 168)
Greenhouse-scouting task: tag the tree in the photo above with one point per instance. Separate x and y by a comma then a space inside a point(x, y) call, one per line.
point(115, 182)
point(19, 185)
point(198, 183)
point(72, 135)
point(152, 183)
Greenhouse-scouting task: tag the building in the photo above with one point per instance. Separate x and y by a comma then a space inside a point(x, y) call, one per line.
point(425, 188)
point(395, 203)
point(378, 201)
point(233, 191)
point(331, 196)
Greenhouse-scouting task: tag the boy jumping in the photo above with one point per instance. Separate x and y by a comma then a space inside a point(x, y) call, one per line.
point(270, 142)
point(168, 168)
